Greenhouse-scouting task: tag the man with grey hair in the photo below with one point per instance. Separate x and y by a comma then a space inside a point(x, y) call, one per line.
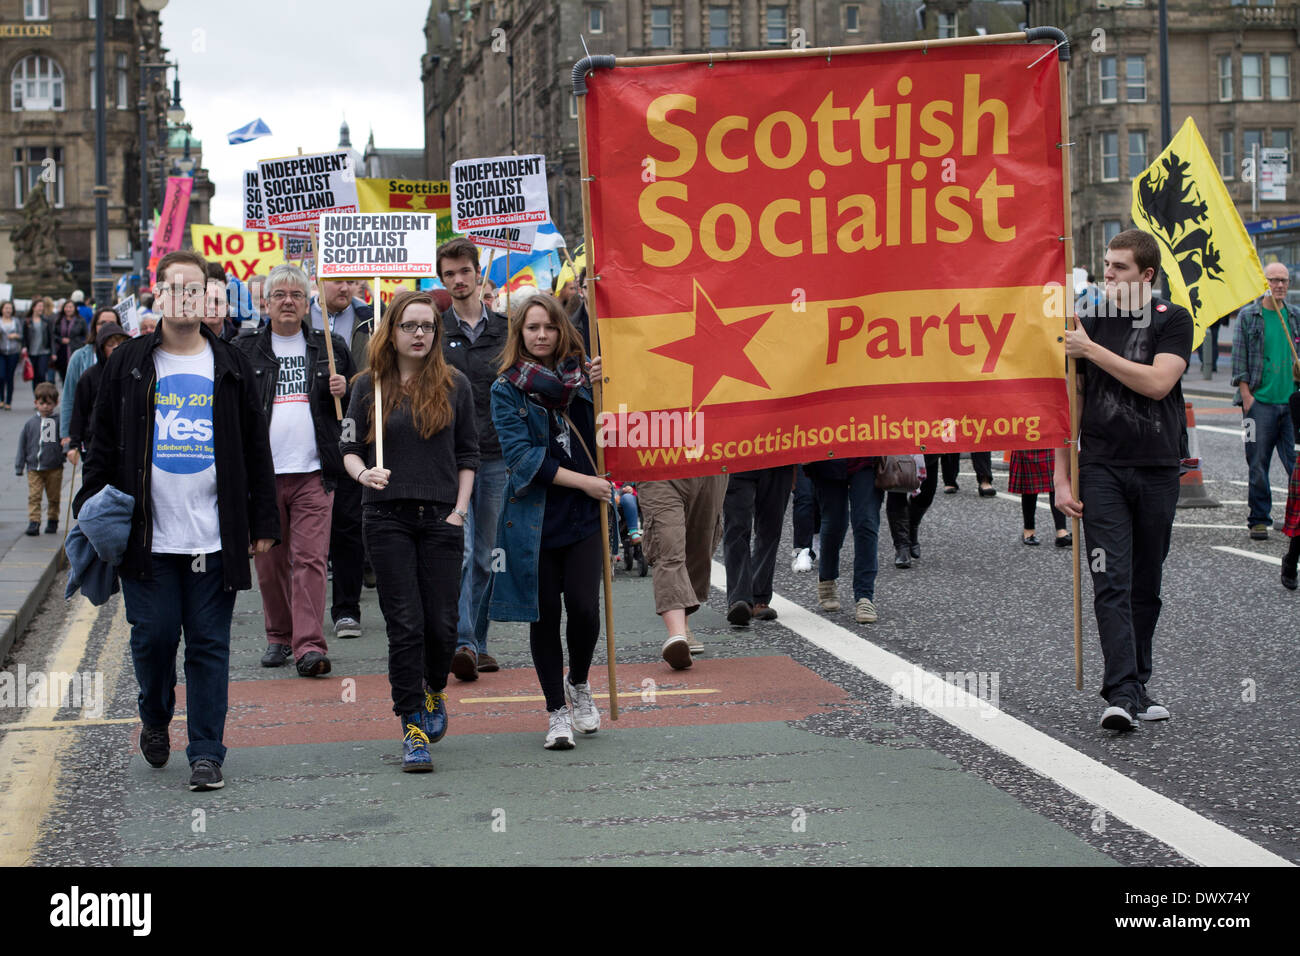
point(297, 391)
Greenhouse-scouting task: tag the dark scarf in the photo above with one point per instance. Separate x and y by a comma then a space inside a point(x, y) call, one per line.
point(551, 388)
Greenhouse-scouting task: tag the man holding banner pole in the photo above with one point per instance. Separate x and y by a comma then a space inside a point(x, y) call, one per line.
point(472, 341)
point(1131, 353)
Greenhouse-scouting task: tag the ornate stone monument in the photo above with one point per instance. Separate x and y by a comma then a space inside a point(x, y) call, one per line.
point(40, 266)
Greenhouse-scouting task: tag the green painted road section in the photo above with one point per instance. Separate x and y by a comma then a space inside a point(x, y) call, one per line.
point(721, 795)
point(842, 786)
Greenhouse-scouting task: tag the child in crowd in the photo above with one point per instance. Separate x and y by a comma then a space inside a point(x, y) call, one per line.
point(40, 451)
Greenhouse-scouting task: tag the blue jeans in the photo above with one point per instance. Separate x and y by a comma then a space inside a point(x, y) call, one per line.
point(862, 498)
point(480, 539)
point(631, 518)
point(9, 364)
point(1273, 430)
point(179, 597)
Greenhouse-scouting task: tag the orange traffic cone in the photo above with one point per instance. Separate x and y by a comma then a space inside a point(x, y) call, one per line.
point(1191, 491)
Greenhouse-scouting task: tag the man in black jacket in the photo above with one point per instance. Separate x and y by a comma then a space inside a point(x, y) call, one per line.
point(297, 392)
point(353, 320)
point(472, 340)
point(178, 427)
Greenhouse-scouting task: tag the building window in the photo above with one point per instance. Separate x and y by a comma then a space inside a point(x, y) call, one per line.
point(1137, 153)
point(36, 9)
point(1109, 82)
point(122, 82)
point(661, 27)
point(1281, 139)
point(573, 106)
point(1252, 76)
point(1225, 76)
point(1110, 228)
point(595, 19)
point(1251, 138)
point(778, 33)
point(1109, 156)
point(1227, 156)
point(37, 84)
point(947, 25)
point(719, 27)
point(852, 18)
point(29, 164)
point(1279, 76)
point(1135, 79)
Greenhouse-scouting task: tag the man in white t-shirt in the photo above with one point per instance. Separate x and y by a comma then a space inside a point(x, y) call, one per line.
point(184, 404)
point(297, 392)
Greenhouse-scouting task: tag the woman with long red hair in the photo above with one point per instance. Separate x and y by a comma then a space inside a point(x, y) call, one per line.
point(414, 508)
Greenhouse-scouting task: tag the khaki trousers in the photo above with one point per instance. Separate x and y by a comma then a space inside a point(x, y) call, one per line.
point(681, 521)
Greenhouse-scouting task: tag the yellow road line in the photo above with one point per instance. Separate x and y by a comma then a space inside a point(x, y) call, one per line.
point(29, 763)
point(77, 724)
point(626, 695)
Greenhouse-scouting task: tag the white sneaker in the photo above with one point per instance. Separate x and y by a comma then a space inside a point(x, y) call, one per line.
point(802, 560)
point(1118, 718)
point(586, 717)
point(866, 611)
point(677, 653)
point(560, 734)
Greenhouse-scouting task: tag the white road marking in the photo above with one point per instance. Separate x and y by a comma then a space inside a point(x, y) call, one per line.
point(1243, 484)
point(1201, 840)
point(1220, 429)
point(1266, 558)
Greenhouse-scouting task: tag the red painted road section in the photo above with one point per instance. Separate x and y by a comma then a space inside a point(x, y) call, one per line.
point(298, 710)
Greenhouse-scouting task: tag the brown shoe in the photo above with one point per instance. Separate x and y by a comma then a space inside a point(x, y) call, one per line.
point(763, 612)
point(465, 664)
point(487, 664)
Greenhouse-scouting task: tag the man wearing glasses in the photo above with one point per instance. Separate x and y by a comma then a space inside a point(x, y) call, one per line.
point(297, 392)
point(353, 321)
point(1262, 355)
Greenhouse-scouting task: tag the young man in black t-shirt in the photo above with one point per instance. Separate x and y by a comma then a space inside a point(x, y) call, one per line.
point(1131, 351)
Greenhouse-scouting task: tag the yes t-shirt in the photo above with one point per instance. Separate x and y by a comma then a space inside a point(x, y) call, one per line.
point(293, 433)
point(183, 482)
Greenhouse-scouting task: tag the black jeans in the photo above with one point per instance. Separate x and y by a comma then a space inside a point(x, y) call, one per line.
point(905, 512)
point(1128, 517)
point(573, 573)
point(807, 512)
point(981, 461)
point(347, 550)
point(416, 555)
point(755, 501)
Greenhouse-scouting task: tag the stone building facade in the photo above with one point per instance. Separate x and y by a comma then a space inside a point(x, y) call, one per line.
point(47, 122)
point(474, 46)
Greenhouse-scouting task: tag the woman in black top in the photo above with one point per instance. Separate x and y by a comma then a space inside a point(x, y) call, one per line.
point(108, 338)
point(414, 508)
point(543, 414)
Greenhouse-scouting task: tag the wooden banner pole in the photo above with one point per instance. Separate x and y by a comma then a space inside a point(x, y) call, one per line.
point(507, 280)
point(325, 321)
point(597, 395)
point(1071, 377)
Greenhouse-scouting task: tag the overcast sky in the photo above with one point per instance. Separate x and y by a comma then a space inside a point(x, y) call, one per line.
point(300, 67)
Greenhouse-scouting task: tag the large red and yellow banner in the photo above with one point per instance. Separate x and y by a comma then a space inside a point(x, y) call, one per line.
point(807, 258)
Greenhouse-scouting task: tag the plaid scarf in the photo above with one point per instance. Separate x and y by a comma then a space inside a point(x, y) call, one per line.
point(551, 388)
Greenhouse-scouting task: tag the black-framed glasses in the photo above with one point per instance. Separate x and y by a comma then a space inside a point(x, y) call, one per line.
point(410, 328)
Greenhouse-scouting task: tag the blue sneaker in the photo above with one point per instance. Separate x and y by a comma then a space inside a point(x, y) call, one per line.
point(434, 715)
point(415, 747)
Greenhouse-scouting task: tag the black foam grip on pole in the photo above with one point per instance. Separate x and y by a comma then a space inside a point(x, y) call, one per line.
point(1054, 34)
point(585, 65)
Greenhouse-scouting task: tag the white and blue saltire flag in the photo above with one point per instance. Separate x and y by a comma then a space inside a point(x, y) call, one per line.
point(246, 134)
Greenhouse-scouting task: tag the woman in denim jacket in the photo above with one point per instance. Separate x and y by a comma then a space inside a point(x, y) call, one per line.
point(550, 520)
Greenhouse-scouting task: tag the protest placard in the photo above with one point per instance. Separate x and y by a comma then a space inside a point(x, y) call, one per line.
point(254, 214)
point(377, 244)
point(498, 191)
point(413, 195)
point(128, 315)
point(297, 190)
point(242, 254)
point(509, 238)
